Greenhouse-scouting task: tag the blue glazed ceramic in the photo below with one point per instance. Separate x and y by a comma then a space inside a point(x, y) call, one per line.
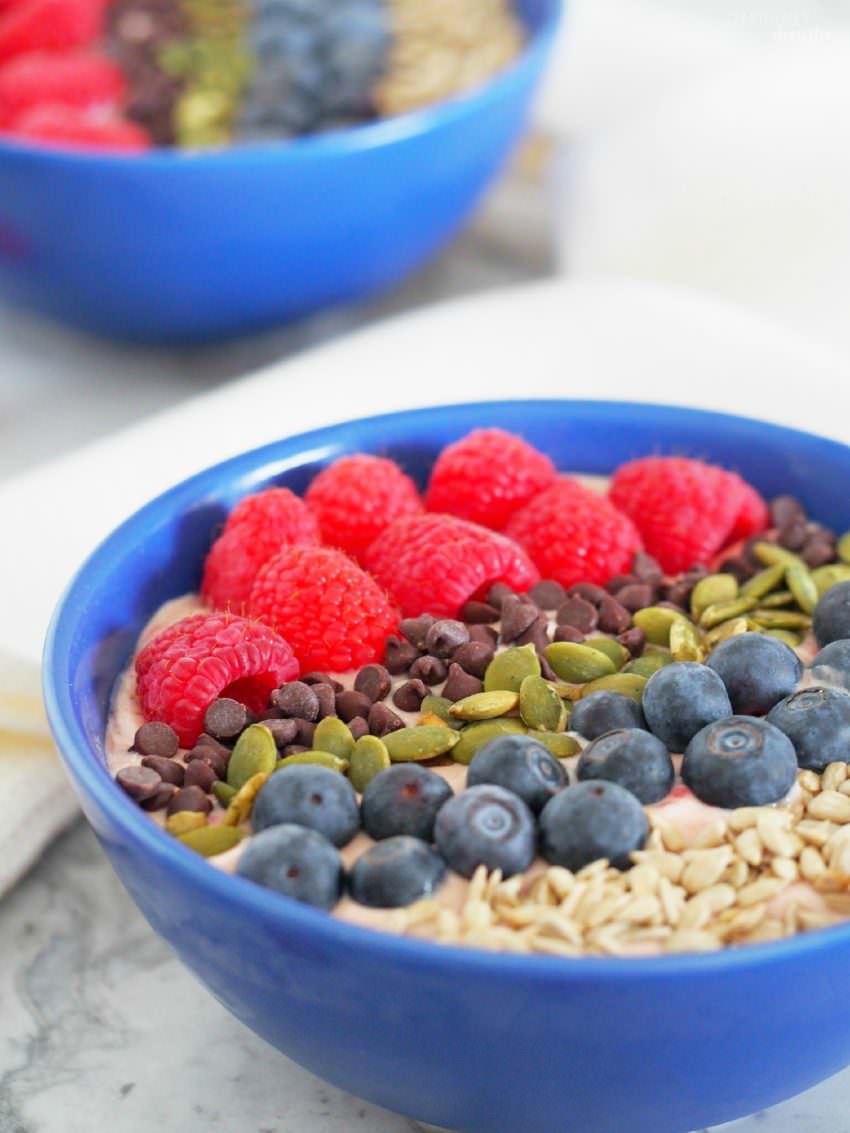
point(468, 1040)
point(172, 247)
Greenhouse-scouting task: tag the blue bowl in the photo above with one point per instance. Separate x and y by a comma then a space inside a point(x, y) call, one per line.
point(172, 247)
point(473, 1041)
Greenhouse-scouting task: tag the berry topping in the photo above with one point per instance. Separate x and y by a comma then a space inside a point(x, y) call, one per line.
point(758, 671)
point(632, 757)
point(335, 615)
point(741, 761)
point(258, 528)
point(574, 535)
point(593, 819)
point(403, 799)
point(604, 711)
point(486, 825)
point(487, 476)
point(521, 765)
point(49, 25)
point(296, 862)
point(685, 510)
point(680, 699)
point(831, 620)
point(436, 563)
point(396, 873)
point(182, 670)
point(831, 666)
point(817, 722)
point(312, 796)
point(81, 80)
point(753, 514)
point(78, 128)
point(357, 497)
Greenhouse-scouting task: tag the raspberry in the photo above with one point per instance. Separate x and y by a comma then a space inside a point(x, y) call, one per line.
point(257, 529)
point(574, 535)
point(182, 670)
point(357, 497)
point(753, 514)
point(50, 25)
point(435, 563)
point(487, 477)
point(78, 129)
point(82, 80)
point(335, 615)
point(684, 509)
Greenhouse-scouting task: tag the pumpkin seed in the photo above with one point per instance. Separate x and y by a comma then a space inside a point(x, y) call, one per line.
point(412, 745)
point(485, 705)
point(611, 648)
point(803, 587)
point(723, 611)
point(439, 706)
point(711, 591)
point(763, 582)
point(369, 758)
point(655, 621)
point(729, 629)
point(223, 791)
point(509, 669)
point(211, 840)
point(648, 663)
point(474, 736)
point(540, 706)
point(771, 553)
point(843, 547)
point(560, 744)
point(777, 599)
point(255, 752)
point(830, 575)
point(686, 642)
point(319, 758)
point(578, 663)
point(629, 684)
point(333, 735)
point(184, 821)
point(781, 619)
point(240, 806)
point(786, 635)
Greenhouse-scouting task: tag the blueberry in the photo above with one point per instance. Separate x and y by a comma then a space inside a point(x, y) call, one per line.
point(832, 665)
point(593, 819)
point(680, 699)
point(355, 46)
point(396, 872)
point(817, 722)
point(519, 764)
point(403, 799)
point(831, 619)
point(757, 671)
point(309, 796)
point(632, 757)
point(486, 825)
point(295, 861)
point(604, 712)
point(742, 761)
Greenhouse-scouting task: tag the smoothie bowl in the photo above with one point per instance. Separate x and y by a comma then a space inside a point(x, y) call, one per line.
point(499, 1033)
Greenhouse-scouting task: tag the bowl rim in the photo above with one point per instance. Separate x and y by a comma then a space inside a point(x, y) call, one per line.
point(346, 140)
point(235, 892)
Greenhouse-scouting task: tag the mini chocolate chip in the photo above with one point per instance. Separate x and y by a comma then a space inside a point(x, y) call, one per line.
point(479, 613)
point(568, 633)
point(206, 754)
point(445, 636)
point(636, 597)
point(382, 719)
point(351, 703)
point(409, 696)
point(160, 799)
point(399, 655)
point(140, 783)
point(474, 657)
point(326, 695)
point(272, 713)
point(431, 670)
point(358, 727)
point(785, 510)
point(613, 617)
point(374, 681)
point(619, 581)
point(497, 594)
point(190, 798)
point(485, 635)
point(633, 639)
point(298, 700)
point(295, 749)
point(169, 770)
point(208, 741)
point(460, 683)
point(304, 735)
point(548, 594)
point(794, 535)
point(579, 613)
point(546, 670)
point(587, 590)
point(739, 567)
point(155, 738)
point(537, 634)
point(315, 678)
point(226, 718)
point(416, 629)
point(817, 552)
point(283, 731)
point(647, 569)
point(517, 616)
point(200, 774)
